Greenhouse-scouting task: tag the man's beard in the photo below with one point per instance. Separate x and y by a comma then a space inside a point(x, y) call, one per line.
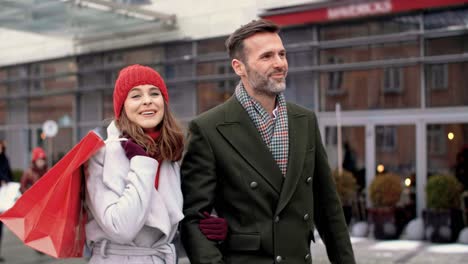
point(264, 84)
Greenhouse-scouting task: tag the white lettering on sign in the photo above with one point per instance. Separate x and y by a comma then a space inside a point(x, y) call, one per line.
point(363, 9)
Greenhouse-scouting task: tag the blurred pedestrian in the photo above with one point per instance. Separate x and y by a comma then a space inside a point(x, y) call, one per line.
point(260, 163)
point(5, 176)
point(38, 167)
point(133, 183)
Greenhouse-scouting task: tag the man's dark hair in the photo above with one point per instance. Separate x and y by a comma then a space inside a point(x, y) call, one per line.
point(235, 42)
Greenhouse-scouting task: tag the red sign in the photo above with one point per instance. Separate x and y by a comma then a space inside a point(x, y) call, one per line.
point(363, 9)
point(366, 8)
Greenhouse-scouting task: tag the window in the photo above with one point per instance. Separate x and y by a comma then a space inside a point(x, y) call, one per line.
point(225, 86)
point(335, 79)
point(439, 77)
point(331, 136)
point(110, 59)
point(386, 138)
point(36, 71)
point(393, 81)
point(436, 143)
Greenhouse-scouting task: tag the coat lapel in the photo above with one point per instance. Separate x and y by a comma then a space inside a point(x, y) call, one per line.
point(243, 136)
point(297, 126)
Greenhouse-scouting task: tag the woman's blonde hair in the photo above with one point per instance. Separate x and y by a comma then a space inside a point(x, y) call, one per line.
point(168, 146)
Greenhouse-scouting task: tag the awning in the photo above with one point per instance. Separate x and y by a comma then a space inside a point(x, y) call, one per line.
point(83, 20)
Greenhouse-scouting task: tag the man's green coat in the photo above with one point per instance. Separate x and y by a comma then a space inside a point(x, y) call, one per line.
point(271, 218)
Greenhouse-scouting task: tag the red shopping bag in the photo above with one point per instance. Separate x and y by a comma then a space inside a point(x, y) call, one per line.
point(50, 216)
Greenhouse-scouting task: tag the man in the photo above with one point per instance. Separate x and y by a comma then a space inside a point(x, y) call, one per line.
point(259, 162)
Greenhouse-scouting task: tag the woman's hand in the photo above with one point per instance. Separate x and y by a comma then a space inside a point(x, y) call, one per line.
point(214, 228)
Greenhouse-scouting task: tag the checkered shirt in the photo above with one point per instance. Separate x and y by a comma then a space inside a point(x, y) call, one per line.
point(274, 131)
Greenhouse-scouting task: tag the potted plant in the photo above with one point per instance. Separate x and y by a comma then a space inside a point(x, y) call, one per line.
point(385, 191)
point(346, 187)
point(443, 217)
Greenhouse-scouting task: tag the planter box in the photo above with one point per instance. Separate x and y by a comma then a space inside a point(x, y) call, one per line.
point(442, 225)
point(384, 222)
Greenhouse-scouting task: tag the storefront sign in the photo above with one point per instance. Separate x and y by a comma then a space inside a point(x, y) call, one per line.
point(356, 10)
point(307, 14)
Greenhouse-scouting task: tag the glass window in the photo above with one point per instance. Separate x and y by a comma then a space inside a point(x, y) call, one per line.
point(353, 150)
point(181, 50)
point(183, 100)
point(297, 35)
point(108, 105)
point(144, 56)
point(3, 82)
point(394, 150)
point(436, 142)
point(300, 58)
point(386, 138)
point(88, 62)
point(369, 28)
point(385, 51)
point(393, 80)
point(62, 143)
point(447, 18)
point(300, 88)
point(445, 84)
point(53, 76)
point(211, 94)
point(212, 46)
point(380, 88)
point(215, 68)
point(447, 146)
point(178, 70)
point(114, 58)
point(438, 77)
point(18, 84)
point(3, 111)
point(40, 108)
point(447, 45)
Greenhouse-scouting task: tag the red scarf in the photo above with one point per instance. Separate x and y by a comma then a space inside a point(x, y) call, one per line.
point(154, 135)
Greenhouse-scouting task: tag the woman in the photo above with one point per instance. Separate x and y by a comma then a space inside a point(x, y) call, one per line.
point(133, 185)
point(5, 176)
point(37, 168)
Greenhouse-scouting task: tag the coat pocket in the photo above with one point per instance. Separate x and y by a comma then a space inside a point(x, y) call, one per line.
point(244, 242)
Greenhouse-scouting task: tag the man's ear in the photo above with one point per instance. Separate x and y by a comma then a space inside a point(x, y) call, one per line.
point(238, 66)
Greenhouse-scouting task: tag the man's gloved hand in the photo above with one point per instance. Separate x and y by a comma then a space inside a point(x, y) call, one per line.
point(214, 228)
point(132, 149)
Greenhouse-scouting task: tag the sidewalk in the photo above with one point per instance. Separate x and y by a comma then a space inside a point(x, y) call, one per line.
point(367, 251)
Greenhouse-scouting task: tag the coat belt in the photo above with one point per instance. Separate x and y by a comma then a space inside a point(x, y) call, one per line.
point(165, 252)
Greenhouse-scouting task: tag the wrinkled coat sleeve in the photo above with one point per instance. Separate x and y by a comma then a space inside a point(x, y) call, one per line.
point(121, 215)
point(328, 215)
point(198, 174)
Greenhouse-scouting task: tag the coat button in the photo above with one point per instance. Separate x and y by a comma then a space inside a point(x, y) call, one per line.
point(307, 257)
point(309, 180)
point(277, 219)
point(306, 217)
point(253, 185)
point(278, 259)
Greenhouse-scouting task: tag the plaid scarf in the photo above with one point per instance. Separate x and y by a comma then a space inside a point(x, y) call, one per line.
point(274, 131)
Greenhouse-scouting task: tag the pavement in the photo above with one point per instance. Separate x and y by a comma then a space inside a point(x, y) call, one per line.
point(366, 250)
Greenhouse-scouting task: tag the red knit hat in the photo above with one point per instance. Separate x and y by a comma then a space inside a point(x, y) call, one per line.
point(38, 153)
point(132, 76)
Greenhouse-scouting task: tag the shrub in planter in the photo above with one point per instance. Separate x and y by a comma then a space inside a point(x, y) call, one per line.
point(346, 187)
point(443, 217)
point(385, 191)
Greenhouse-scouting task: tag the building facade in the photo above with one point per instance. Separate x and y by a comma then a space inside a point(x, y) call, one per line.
point(396, 69)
